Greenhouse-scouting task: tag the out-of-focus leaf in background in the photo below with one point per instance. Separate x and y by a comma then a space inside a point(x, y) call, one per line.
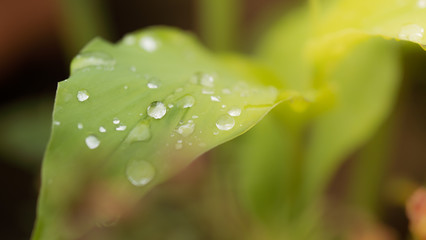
point(132, 115)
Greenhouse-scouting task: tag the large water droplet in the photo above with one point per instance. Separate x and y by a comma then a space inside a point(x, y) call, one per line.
point(186, 129)
point(92, 142)
point(148, 44)
point(140, 173)
point(156, 110)
point(234, 111)
point(140, 132)
point(225, 123)
point(82, 95)
point(92, 59)
point(411, 32)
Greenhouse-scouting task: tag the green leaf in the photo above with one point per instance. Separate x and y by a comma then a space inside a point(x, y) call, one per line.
point(129, 117)
point(366, 85)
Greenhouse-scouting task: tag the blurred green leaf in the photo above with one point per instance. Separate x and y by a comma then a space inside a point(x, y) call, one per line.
point(366, 83)
point(129, 117)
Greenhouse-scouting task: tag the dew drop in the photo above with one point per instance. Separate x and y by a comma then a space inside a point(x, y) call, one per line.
point(140, 132)
point(156, 110)
point(226, 91)
point(92, 142)
point(187, 101)
point(186, 129)
point(148, 44)
point(234, 112)
point(121, 128)
point(133, 68)
point(178, 146)
point(116, 121)
point(153, 84)
point(140, 173)
point(215, 98)
point(93, 59)
point(411, 32)
point(125, 87)
point(57, 123)
point(82, 95)
point(225, 123)
point(129, 40)
point(207, 80)
point(207, 91)
point(80, 125)
point(195, 117)
point(102, 129)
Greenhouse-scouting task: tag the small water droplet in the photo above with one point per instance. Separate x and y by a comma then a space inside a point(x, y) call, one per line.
point(133, 68)
point(129, 40)
point(204, 79)
point(187, 101)
point(140, 132)
point(153, 84)
point(102, 129)
point(215, 98)
point(170, 105)
point(195, 117)
point(57, 123)
point(116, 121)
point(121, 128)
point(80, 125)
point(411, 32)
point(186, 129)
point(125, 87)
point(92, 142)
point(82, 95)
point(157, 110)
point(223, 106)
point(207, 91)
point(234, 112)
point(148, 44)
point(225, 123)
point(97, 60)
point(179, 90)
point(140, 173)
point(215, 133)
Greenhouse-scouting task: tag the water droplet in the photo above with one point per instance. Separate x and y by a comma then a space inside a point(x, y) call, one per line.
point(102, 129)
point(215, 133)
point(215, 98)
point(140, 132)
point(125, 87)
point(156, 110)
point(148, 43)
point(186, 129)
point(92, 59)
point(129, 40)
point(92, 142)
point(207, 91)
point(153, 84)
point(195, 117)
point(225, 123)
point(80, 125)
point(421, 3)
point(133, 68)
point(223, 106)
point(234, 112)
point(82, 95)
point(187, 101)
point(170, 105)
point(121, 128)
point(411, 32)
point(116, 121)
point(140, 173)
point(179, 90)
point(57, 123)
point(207, 80)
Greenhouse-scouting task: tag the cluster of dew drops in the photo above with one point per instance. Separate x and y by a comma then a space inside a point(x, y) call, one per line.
point(413, 32)
point(140, 173)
